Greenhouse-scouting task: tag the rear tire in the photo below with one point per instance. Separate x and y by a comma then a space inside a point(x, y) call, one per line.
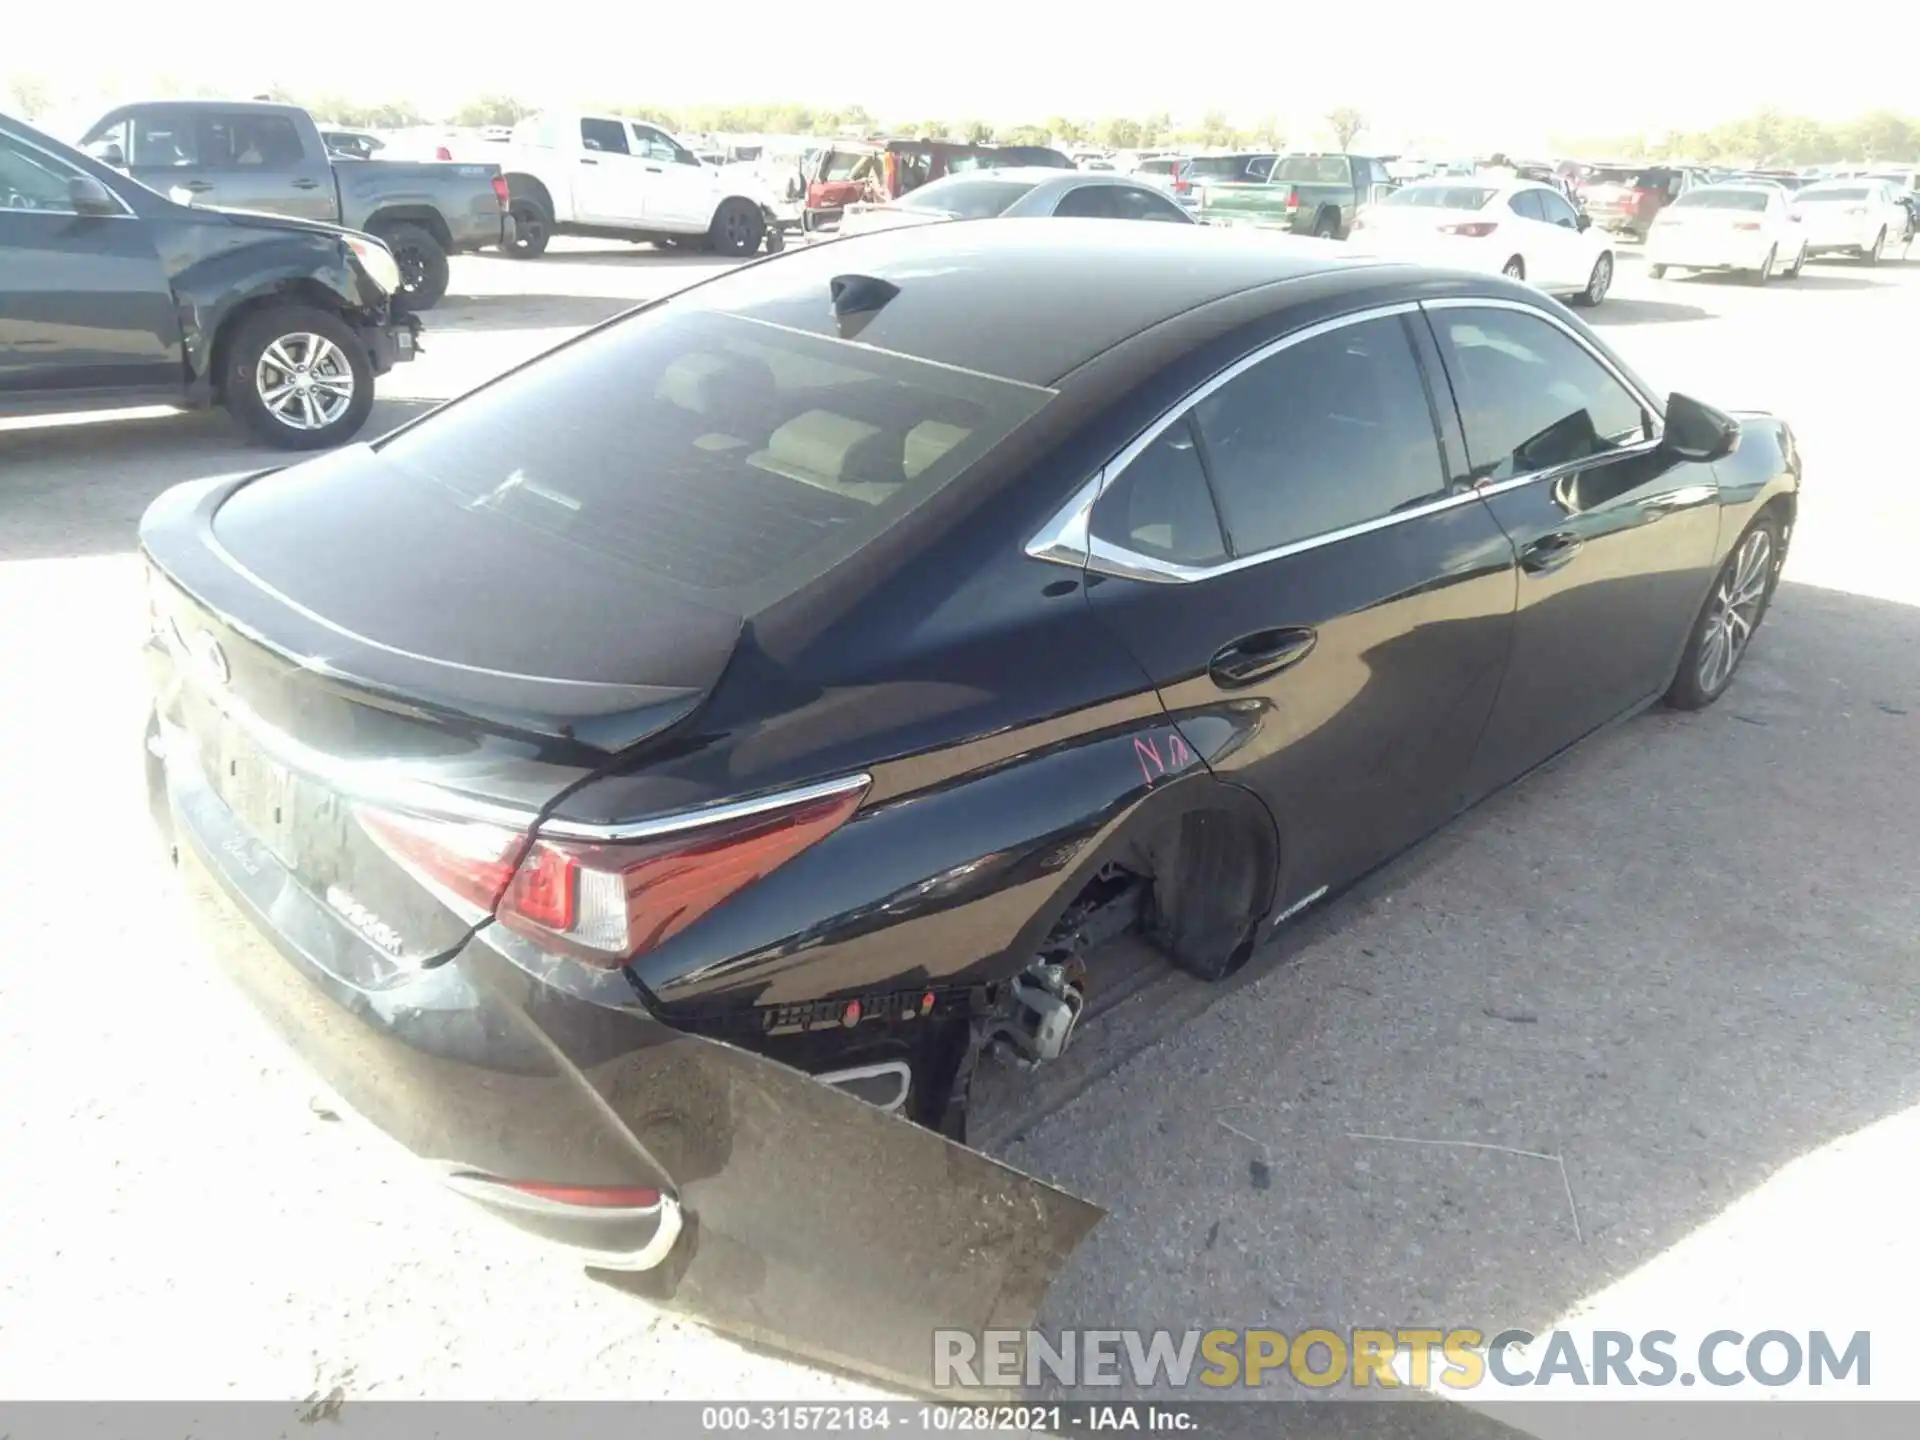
point(1598, 283)
point(533, 227)
point(1656, 272)
point(1799, 263)
point(272, 351)
point(737, 228)
point(424, 267)
point(1326, 228)
point(1514, 269)
point(1872, 254)
point(1765, 272)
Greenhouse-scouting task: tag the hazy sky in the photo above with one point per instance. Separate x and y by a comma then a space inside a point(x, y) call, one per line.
point(1484, 73)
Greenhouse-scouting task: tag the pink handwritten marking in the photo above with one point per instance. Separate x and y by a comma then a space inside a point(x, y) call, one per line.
point(1177, 751)
point(1152, 767)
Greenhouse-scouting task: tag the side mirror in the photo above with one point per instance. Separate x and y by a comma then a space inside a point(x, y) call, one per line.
point(1583, 221)
point(1697, 432)
point(89, 197)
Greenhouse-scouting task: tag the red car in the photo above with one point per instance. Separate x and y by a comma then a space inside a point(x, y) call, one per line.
point(1625, 198)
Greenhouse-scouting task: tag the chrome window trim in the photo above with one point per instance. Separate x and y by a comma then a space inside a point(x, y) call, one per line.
point(1067, 538)
point(126, 210)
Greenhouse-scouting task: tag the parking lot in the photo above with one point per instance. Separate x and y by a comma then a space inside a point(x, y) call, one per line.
point(1676, 970)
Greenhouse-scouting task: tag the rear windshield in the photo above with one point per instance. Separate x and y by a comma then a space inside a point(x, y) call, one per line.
point(1713, 197)
point(1635, 178)
point(1219, 167)
point(724, 457)
point(1842, 192)
point(1312, 169)
point(966, 199)
point(1441, 197)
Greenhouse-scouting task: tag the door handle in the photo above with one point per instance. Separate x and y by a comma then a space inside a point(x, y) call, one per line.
point(653, 169)
point(1682, 499)
point(1550, 552)
point(588, 160)
point(306, 184)
point(1254, 657)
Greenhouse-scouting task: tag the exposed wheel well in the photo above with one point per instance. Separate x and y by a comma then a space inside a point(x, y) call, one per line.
point(1206, 869)
point(288, 292)
point(425, 216)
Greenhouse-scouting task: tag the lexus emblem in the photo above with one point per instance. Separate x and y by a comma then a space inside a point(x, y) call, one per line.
point(212, 660)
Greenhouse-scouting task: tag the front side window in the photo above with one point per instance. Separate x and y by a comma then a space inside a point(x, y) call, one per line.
point(1556, 211)
point(650, 144)
point(1331, 432)
point(1136, 202)
point(1531, 397)
point(32, 181)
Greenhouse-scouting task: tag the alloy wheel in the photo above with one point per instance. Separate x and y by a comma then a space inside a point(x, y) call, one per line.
point(1735, 610)
point(1602, 280)
point(304, 381)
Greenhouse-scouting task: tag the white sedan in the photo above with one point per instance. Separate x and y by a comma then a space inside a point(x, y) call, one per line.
point(1517, 228)
point(1749, 227)
point(1851, 217)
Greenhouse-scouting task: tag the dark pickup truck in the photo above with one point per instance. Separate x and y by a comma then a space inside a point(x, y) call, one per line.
point(271, 159)
point(1302, 194)
point(112, 296)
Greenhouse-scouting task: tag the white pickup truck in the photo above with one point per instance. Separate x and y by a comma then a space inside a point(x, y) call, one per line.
point(613, 178)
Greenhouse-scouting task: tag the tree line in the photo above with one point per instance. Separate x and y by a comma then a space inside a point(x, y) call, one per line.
point(1772, 137)
point(1769, 137)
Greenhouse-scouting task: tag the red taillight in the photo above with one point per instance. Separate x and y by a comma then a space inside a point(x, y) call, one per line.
point(500, 190)
point(587, 1197)
point(1293, 199)
point(1746, 224)
point(440, 152)
point(1181, 184)
point(1474, 228)
point(607, 901)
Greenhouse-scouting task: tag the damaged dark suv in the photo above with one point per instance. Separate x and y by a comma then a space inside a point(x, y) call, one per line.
point(648, 784)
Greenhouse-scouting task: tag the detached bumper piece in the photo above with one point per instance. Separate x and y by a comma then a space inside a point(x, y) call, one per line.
point(713, 1181)
point(394, 343)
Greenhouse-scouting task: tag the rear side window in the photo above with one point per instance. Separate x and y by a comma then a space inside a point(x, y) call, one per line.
point(1530, 396)
point(1442, 197)
point(606, 135)
point(1312, 169)
point(1328, 433)
point(1159, 505)
point(725, 458)
point(1713, 197)
point(230, 141)
point(1136, 202)
point(1526, 204)
point(1848, 193)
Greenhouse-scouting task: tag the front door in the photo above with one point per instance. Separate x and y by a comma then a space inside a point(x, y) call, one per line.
point(610, 186)
point(1331, 634)
point(1615, 537)
point(84, 303)
point(680, 191)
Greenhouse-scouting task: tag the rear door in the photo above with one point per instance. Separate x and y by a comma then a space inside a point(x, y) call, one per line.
point(1332, 633)
point(610, 185)
point(1538, 246)
point(85, 302)
point(1576, 251)
point(258, 160)
point(1615, 537)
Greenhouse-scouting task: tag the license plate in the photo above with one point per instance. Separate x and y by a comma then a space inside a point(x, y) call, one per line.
point(403, 342)
point(291, 817)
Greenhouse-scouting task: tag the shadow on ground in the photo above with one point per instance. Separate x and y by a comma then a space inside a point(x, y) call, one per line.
point(1617, 310)
point(1677, 959)
point(80, 489)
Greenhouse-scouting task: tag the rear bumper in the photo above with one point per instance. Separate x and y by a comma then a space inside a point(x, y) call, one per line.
point(788, 1212)
point(1683, 254)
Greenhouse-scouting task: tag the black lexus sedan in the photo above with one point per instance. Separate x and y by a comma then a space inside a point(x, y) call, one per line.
point(647, 785)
